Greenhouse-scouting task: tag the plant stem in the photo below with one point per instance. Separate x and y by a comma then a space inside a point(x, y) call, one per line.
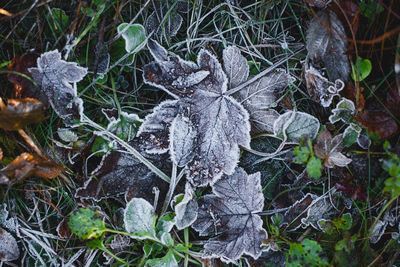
point(171, 189)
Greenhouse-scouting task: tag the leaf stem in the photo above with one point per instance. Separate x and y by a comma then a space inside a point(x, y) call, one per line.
point(171, 189)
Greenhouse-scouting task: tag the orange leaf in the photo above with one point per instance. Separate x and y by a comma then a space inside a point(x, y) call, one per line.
point(27, 165)
point(19, 113)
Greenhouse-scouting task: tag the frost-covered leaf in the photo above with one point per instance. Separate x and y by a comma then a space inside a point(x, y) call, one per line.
point(378, 231)
point(258, 96)
point(351, 134)
point(326, 43)
point(344, 111)
point(122, 173)
point(67, 135)
point(10, 224)
point(167, 261)
point(235, 66)
point(328, 149)
point(220, 122)
point(18, 113)
point(154, 132)
point(9, 250)
point(319, 87)
point(231, 212)
point(297, 211)
point(186, 209)
point(57, 79)
point(182, 137)
point(134, 36)
point(318, 209)
point(301, 125)
point(139, 218)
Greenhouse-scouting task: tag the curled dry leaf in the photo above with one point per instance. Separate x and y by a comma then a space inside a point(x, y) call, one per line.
point(231, 212)
point(57, 79)
point(319, 87)
point(214, 123)
point(327, 44)
point(9, 250)
point(22, 86)
point(122, 173)
point(328, 149)
point(27, 165)
point(19, 113)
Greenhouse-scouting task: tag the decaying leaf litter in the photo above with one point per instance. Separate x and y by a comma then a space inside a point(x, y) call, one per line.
point(237, 148)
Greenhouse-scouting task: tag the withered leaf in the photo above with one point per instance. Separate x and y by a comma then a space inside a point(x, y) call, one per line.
point(220, 123)
point(378, 121)
point(9, 250)
point(231, 212)
point(298, 211)
point(57, 79)
point(328, 149)
point(19, 113)
point(22, 86)
point(327, 44)
point(27, 165)
point(319, 87)
point(122, 173)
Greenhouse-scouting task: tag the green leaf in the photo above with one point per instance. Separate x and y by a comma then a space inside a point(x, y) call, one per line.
point(351, 134)
point(313, 167)
point(86, 223)
point(301, 154)
point(139, 218)
point(344, 222)
point(370, 8)
point(167, 261)
point(362, 68)
point(307, 253)
point(60, 19)
point(134, 36)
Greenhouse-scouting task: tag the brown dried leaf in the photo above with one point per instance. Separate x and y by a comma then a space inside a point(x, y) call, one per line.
point(22, 86)
point(26, 165)
point(378, 121)
point(328, 149)
point(19, 113)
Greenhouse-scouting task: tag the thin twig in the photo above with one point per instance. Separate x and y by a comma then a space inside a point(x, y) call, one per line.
point(30, 142)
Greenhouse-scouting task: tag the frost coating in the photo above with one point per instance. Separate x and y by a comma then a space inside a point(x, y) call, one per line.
point(9, 250)
point(186, 210)
point(235, 66)
point(231, 211)
point(56, 76)
point(154, 132)
point(121, 173)
point(139, 218)
point(182, 140)
point(326, 42)
point(303, 125)
point(218, 124)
